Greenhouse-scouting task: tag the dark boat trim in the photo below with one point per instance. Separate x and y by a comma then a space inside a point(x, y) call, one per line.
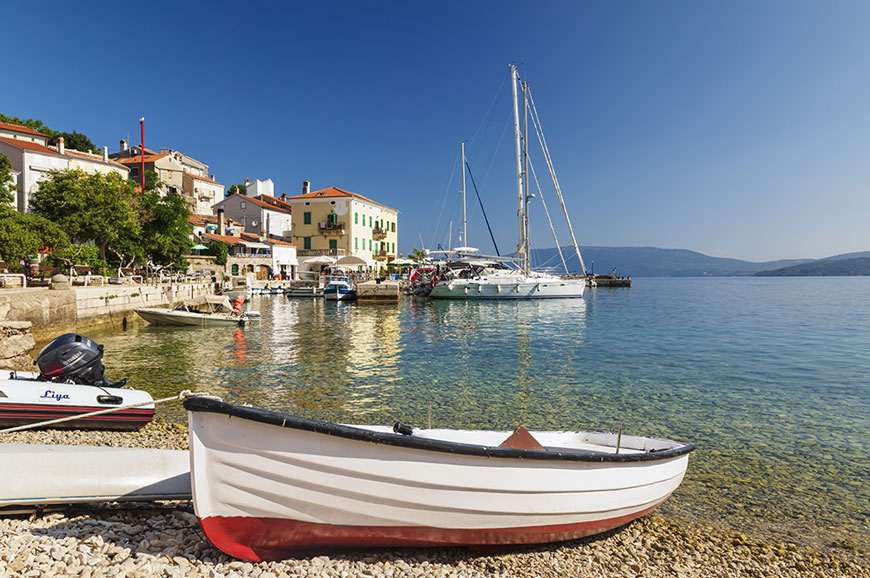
point(202, 404)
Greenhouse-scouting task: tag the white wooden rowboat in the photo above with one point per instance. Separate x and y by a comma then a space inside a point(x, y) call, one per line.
point(39, 475)
point(267, 485)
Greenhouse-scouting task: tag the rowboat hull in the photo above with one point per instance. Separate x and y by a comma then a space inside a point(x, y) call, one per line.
point(266, 485)
point(469, 289)
point(162, 316)
point(26, 400)
point(55, 474)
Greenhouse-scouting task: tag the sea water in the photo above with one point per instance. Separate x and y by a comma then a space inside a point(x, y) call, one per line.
point(768, 377)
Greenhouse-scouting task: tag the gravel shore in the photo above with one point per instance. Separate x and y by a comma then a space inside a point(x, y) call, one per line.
point(164, 540)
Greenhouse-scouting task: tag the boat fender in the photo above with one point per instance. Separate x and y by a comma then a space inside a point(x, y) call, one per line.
point(404, 429)
point(237, 305)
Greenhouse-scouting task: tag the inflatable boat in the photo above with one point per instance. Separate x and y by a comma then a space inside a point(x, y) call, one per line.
point(70, 384)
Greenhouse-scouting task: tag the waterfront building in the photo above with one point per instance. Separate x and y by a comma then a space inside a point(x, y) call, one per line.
point(336, 223)
point(32, 158)
point(180, 174)
point(264, 214)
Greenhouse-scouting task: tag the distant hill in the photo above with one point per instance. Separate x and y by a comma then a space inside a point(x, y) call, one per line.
point(830, 267)
point(655, 262)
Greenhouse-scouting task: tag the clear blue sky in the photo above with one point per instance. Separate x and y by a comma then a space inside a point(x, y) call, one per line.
point(738, 129)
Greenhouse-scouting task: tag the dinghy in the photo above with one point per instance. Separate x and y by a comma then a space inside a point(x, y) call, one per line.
point(268, 485)
point(48, 474)
point(71, 384)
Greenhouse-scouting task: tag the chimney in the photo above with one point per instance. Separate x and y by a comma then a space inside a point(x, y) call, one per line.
point(211, 177)
point(284, 197)
point(220, 213)
point(247, 181)
point(306, 187)
point(105, 154)
point(123, 145)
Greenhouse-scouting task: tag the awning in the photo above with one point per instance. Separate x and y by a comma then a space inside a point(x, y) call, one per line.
point(255, 245)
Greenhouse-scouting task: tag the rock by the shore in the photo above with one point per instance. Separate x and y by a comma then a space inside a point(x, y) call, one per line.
point(165, 540)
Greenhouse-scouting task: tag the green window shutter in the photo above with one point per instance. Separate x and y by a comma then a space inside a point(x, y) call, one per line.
point(333, 244)
point(355, 243)
point(306, 218)
point(356, 218)
point(306, 243)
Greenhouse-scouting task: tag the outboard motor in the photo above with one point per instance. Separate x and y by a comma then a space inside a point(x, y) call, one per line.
point(74, 357)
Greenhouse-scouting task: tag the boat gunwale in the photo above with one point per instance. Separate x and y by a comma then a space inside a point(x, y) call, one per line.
point(208, 405)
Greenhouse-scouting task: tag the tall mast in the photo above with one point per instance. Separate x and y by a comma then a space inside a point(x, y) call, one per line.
point(521, 217)
point(464, 241)
point(526, 197)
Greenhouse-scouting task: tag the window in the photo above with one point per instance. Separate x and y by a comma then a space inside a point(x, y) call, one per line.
point(170, 174)
point(356, 243)
point(306, 218)
point(333, 244)
point(370, 244)
point(370, 220)
point(356, 218)
point(243, 204)
point(393, 225)
point(306, 242)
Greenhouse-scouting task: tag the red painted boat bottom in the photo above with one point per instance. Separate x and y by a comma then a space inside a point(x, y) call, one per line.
point(261, 539)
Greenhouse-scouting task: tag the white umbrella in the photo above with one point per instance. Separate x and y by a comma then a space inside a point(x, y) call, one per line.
point(320, 260)
point(351, 261)
point(401, 263)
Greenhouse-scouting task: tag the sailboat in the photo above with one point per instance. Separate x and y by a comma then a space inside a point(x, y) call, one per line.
point(468, 274)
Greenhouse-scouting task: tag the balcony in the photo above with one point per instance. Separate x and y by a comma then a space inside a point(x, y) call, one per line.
point(319, 252)
point(329, 228)
point(379, 234)
point(382, 255)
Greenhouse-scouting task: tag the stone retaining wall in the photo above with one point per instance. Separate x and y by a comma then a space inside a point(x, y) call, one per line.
point(16, 343)
point(53, 312)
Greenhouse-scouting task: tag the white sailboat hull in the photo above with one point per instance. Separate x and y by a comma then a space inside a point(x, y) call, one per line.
point(466, 289)
point(266, 490)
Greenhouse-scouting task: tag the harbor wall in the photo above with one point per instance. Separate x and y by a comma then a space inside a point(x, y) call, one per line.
point(16, 343)
point(55, 311)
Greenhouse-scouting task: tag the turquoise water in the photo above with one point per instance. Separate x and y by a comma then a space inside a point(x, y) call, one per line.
point(770, 378)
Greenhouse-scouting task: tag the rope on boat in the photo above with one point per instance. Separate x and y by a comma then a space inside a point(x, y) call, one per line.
point(184, 394)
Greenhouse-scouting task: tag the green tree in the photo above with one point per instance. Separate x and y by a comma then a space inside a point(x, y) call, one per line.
point(74, 140)
point(23, 234)
point(30, 123)
point(219, 251)
point(7, 187)
point(166, 230)
point(417, 255)
point(237, 190)
point(101, 207)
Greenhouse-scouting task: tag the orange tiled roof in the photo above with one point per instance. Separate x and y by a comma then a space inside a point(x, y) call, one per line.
point(229, 240)
point(195, 219)
point(138, 159)
point(270, 205)
point(31, 146)
point(336, 192)
point(203, 178)
point(20, 128)
point(89, 156)
point(256, 238)
point(276, 202)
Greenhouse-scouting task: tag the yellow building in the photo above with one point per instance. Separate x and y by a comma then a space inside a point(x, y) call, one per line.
point(338, 223)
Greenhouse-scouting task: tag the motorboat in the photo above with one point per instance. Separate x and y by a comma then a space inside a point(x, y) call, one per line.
point(56, 474)
point(310, 291)
point(340, 288)
point(69, 385)
point(267, 290)
point(203, 311)
point(268, 485)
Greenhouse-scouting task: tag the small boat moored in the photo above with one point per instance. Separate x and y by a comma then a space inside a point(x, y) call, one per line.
point(203, 311)
point(339, 288)
point(71, 384)
point(268, 485)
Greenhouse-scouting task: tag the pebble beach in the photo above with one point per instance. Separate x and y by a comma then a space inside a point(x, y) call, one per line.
point(164, 540)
